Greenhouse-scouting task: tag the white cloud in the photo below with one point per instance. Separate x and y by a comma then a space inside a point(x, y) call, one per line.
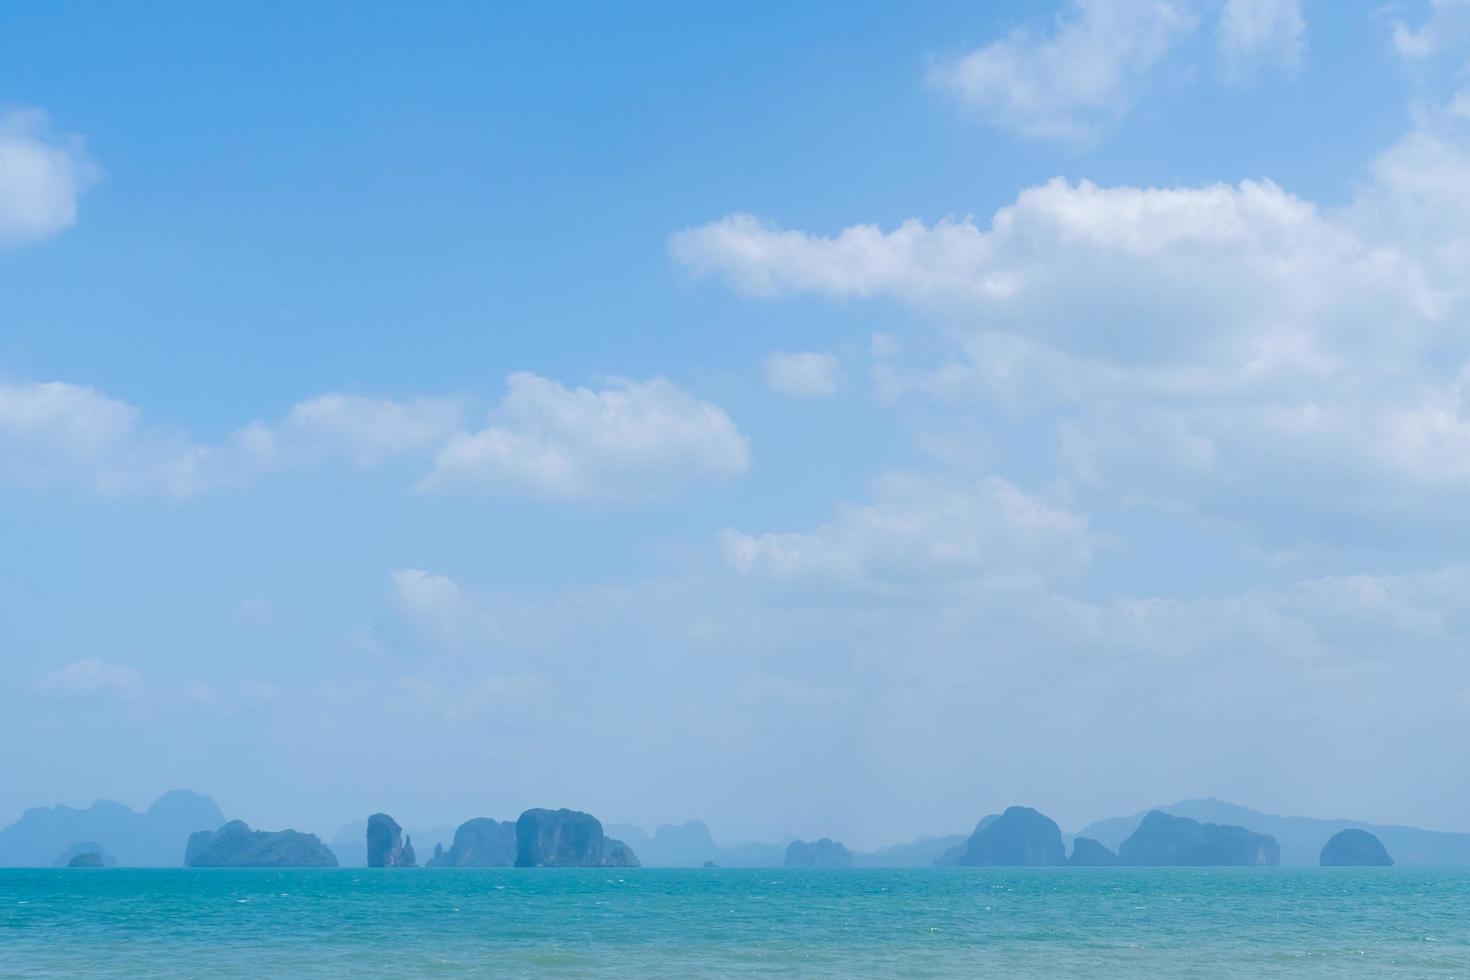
point(1187, 345)
point(370, 431)
point(803, 375)
point(55, 433)
point(439, 610)
point(1445, 29)
point(919, 532)
point(628, 441)
point(1068, 82)
point(60, 434)
point(1097, 266)
point(1253, 31)
point(92, 675)
point(41, 177)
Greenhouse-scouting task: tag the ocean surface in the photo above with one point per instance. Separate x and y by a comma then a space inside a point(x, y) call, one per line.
point(680, 923)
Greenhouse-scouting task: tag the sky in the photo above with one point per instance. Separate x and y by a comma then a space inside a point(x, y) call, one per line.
point(831, 419)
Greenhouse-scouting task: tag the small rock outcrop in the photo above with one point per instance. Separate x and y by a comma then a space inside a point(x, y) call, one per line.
point(385, 845)
point(80, 849)
point(479, 843)
point(235, 845)
point(1354, 849)
point(824, 853)
point(86, 859)
point(1088, 853)
point(1162, 840)
point(1019, 837)
point(567, 839)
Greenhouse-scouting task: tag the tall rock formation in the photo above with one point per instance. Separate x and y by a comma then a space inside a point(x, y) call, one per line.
point(1164, 840)
point(824, 853)
point(1019, 837)
point(235, 845)
point(1354, 849)
point(385, 846)
point(567, 839)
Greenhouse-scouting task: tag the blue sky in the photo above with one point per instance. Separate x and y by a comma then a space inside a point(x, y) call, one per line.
point(820, 419)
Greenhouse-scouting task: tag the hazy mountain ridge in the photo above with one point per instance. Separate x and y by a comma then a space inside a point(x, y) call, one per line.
point(155, 838)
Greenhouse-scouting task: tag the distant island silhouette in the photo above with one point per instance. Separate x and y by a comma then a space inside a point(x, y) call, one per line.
point(187, 828)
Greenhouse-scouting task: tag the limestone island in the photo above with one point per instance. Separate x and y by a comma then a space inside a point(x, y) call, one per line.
point(478, 843)
point(567, 839)
point(824, 853)
point(1162, 840)
point(1088, 853)
point(84, 854)
point(1019, 838)
point(386, 847)
point(235, 845)
point(1355, 849)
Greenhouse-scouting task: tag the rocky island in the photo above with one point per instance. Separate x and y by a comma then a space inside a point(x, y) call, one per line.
point(88, 849)
point(1019, 837)
point(385, 845)
point(1354, 849)
point(479, 843)
point(824, 853)
point(235, 845)
point(1164, 840)
point(567, 839)
point(1088, 853)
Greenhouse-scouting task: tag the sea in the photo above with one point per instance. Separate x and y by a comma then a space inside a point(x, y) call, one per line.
point(649, 922)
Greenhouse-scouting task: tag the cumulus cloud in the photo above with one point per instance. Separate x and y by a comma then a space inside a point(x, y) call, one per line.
point(1102, 268)
point(1098, 56)
point(1445, 29)
point(1066, 83)
point(41, 177)
point(803, 375)
point(1186, 344)
point(369, 431)
point(1252, 32)
point(60, 434)
point(629, 441)
point(438, 608)
point(922, 531)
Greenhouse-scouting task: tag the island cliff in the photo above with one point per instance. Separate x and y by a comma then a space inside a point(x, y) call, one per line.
point(1019, 837)
point(385, 847)
point(1164, 840)
point(567, 839)
point(1354, 849)
point(479, 843)
point(824, 853)
point(235, 845)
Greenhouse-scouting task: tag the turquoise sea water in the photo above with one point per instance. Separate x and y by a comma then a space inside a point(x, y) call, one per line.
point(678, 923)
